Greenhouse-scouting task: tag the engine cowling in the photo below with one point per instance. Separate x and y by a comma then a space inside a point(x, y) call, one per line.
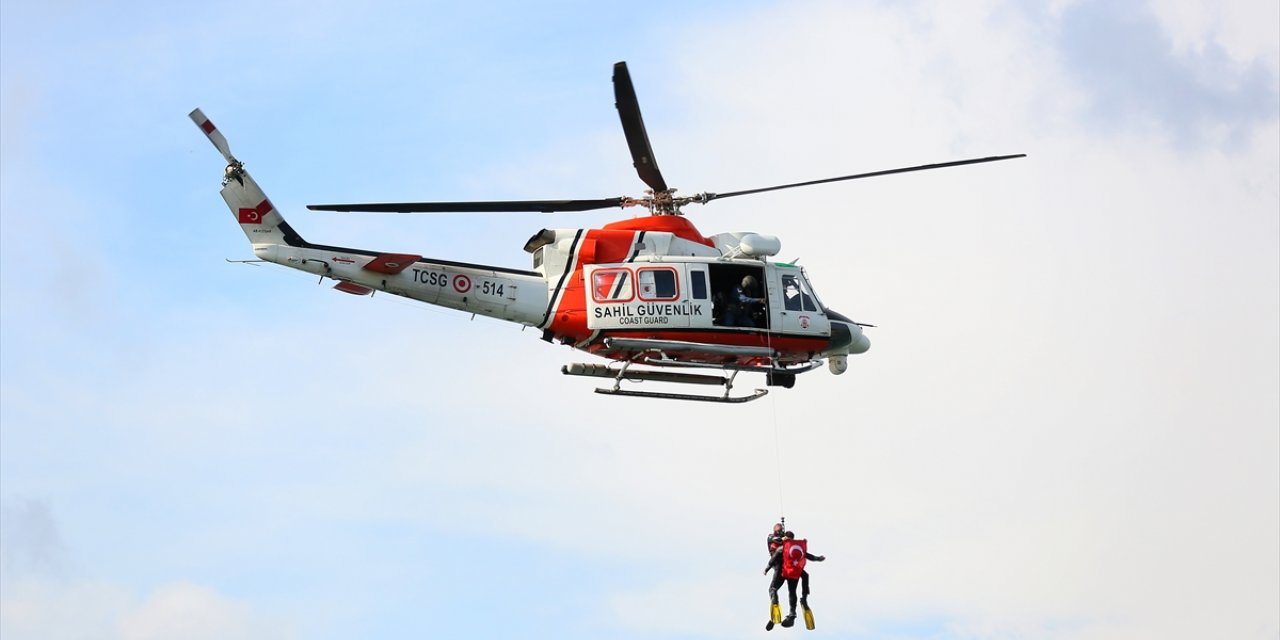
point(759, 246)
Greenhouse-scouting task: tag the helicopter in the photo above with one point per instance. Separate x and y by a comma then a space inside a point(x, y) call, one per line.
point(653, 295)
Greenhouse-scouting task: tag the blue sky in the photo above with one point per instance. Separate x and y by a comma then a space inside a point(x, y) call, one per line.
point(1068, 425)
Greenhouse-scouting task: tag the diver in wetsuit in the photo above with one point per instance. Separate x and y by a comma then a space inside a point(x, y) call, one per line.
point(787, 563)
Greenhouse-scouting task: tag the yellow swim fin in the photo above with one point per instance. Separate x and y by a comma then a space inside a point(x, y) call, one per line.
point(775, 613)
point(808, 616)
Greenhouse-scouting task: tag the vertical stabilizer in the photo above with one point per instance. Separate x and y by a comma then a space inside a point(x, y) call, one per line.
point(258, 218)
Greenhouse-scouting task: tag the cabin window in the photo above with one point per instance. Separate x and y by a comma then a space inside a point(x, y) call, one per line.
point(658, 284)
point(611, 285)
point(698, 284)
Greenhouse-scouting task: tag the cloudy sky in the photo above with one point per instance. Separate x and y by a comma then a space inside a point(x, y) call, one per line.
point(1068, 425)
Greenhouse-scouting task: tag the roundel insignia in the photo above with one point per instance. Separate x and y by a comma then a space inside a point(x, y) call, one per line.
point(461, 283)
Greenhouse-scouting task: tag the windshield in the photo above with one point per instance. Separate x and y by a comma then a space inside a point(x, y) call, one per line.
point(804, 276)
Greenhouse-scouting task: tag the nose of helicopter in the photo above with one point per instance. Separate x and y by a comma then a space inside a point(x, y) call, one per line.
point(846, 335)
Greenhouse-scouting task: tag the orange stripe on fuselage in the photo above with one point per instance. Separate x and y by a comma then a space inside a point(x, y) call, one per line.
point(610, 244)
point(601, 246)
point(678, 226)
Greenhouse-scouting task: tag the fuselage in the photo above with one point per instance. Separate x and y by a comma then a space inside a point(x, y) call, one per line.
point(632, 284)
point(614, 291)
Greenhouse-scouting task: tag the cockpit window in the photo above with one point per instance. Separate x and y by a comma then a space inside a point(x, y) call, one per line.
point(796, 295)
point(808, 287)
point(790, 293)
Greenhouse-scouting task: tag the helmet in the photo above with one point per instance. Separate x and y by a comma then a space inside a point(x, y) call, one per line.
point(788, 535)
point(748, 282)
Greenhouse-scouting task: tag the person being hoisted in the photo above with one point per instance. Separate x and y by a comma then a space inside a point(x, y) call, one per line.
point(775, 539)
point(787, 563)
point(774, 542)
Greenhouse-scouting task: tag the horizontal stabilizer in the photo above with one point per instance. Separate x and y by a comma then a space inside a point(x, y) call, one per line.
point(353, 288)
point(391, 263)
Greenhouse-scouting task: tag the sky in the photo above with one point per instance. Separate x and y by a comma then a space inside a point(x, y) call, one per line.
point(1067, 427)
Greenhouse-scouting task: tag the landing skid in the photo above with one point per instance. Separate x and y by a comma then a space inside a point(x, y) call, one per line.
point(640, 375)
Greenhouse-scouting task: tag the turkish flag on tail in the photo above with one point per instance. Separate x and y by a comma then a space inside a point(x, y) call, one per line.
point(256, 214)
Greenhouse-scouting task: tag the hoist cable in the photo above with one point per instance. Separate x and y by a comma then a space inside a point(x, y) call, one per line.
point(773, 404)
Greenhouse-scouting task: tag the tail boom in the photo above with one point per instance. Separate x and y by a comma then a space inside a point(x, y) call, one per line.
point(496, 292)
point(507, 294)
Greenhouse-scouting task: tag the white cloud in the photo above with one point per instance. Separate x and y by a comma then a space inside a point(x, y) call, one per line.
point(185, 610)
point(45, 595)
point(34, 608)
point(1245, 29)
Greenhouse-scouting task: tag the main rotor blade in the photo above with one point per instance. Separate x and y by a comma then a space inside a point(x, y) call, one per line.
point(496, 206)
point(923, 167)
point(633, 126)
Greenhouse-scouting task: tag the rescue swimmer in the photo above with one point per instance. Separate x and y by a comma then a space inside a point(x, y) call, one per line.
point(787, 563)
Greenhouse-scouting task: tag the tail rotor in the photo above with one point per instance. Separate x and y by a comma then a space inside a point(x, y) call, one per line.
point(219, 141)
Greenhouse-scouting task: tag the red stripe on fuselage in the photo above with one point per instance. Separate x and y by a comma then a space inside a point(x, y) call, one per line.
point(792, 349)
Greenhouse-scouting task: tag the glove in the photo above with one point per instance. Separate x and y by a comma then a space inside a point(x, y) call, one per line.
point(766, 571)
point(820, 558)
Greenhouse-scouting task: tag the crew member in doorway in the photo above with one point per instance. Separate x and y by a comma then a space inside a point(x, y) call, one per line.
point(788, 564)
point(746, 305)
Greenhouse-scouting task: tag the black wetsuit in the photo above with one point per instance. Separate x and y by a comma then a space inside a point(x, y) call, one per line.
point(775, 561)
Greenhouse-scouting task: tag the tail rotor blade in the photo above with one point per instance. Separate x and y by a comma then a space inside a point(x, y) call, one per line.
point(215, 136)
point(633, 126)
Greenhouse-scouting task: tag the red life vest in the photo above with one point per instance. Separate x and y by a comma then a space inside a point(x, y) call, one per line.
point(793, 558)
point(774, 543)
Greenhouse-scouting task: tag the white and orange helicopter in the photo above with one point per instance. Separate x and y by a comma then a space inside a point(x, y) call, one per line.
point(651, 294)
